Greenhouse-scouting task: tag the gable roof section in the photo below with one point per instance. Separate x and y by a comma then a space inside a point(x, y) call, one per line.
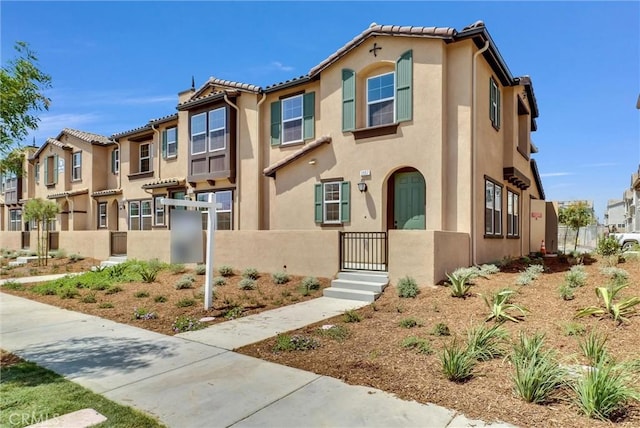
point(225, 84)
point(53, 142)
point(271, 170)
point(88, 137)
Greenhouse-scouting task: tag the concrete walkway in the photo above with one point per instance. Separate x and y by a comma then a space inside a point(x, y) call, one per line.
point(187, 383)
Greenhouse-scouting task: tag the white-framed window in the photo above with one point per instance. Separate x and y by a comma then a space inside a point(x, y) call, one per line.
point(172, 142)
point(381, 99)
point(224, 209)
point(11, 189)
point(76, 166)
point(37, 170)
point(159, 212)
point(217, 129)
point(140, 215)
point(198, 133)
point(102, 215)
point(331, 202)
point(494, 103)
point(513, 214)
point(134, 215)
point(493, 209)
point(115, 161)
point(292, 111)
point(145, 157)
point(15, 220)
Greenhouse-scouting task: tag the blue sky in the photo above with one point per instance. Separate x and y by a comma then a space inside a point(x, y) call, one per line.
point(115, 65)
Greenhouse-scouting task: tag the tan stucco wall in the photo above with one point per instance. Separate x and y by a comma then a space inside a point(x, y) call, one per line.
point(538, 219)
point(89, 243)
point(10, 240)
point(426, 255)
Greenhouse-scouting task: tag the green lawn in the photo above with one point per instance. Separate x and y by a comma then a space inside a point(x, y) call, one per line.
point(30, 394)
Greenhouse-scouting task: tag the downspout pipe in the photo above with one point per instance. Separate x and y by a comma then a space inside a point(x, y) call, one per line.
point(70, 202)
point(259, 161)
point(474, 144)
point(237, 192)
point(157, 132)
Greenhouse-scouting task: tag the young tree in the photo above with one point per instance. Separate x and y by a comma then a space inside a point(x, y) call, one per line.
point(578, 215)
point(21, 89)
point(42, 212)
point(563, 218)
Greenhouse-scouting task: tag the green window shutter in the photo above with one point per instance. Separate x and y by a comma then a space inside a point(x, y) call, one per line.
point(348, 99)
point(276, 123)
point(46, 171)
point(308, 113)
point(404, 78)
point(55, 169)
point(164, 144)
point(318, 202)
point(344, 201)
point(492, 97)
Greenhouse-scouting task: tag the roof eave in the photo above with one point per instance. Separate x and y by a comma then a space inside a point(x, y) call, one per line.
point(536, 177)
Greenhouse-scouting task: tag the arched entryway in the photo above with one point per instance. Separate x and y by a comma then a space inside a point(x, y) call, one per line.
point(406, 200)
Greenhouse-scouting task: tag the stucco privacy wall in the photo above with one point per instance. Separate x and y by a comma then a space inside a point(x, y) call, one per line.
point(12, 240)
point(89, 243)
point(426, 255)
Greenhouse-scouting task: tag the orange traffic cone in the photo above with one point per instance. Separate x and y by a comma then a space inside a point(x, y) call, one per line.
point(543, 250)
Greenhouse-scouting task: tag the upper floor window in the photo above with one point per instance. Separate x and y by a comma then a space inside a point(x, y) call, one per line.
point(293, 119)
point(170, 143)
point(145, 157)
point(494, 103)
point(513, 217)
point(115, 161)
point(380, 100)
point(332, 202)
point(76, 166)
point(493, 209)
point(209, 131)
point(37, 168)
point(51, 170)
point(15, 220)
point(11, 189)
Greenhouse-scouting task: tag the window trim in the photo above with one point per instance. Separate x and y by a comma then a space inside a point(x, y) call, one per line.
point(513, 219)
point(115, 161)
point(370, 103)
point(494, 233)
point(159, 208)
point(173, 143)
point(141, 158)
point(494, 103)
point(206, 145)
point(37, 172)
point(102, 215)
point(77, 166)
point(218, 211)
point(210, 130)
point(131, 216)
point(297, 118)
point(15, 224)
point(325, 202)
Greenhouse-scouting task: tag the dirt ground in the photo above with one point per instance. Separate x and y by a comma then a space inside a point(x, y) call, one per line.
point(373, 356)
point(266, 296)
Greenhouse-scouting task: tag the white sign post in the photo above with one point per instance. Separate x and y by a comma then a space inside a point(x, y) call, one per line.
point(211, 226)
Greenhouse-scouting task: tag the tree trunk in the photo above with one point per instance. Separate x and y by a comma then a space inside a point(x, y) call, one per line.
point(39, 243)
point(564, 248)
point(575, 246)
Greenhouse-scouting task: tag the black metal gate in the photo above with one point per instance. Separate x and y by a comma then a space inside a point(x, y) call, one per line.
point(364, 251)
point(118, 243)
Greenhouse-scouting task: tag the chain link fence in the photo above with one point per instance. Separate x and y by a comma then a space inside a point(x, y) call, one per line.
point(588, 238)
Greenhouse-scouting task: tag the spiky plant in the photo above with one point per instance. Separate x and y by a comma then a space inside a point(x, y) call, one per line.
point(499, 306)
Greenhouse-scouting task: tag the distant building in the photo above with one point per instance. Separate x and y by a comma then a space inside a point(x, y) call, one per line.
point(631, 198)
point(614, 216)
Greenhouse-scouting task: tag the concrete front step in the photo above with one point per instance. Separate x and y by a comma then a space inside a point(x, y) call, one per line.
point(343, 293)
point(370, 276)
point(113, 260)
point(358, 285)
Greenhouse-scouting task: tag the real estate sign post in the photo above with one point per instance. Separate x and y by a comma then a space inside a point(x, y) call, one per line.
point(211, 227)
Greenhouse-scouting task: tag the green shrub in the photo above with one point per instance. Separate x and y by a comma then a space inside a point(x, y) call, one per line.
point(457, 362)
point(185, 282)
point(538, 377)
point(459, 284)
point(573, 329)
point(76, 257)
point(149, 270)
point(250, 273)
point(225, 270)
point(421, 346)
point(618, 275)
point(234, 312)
point(471, 272)
point(185, 302)
point(566, 292)
point(618, 311)
point(200, 269)
point(336, 332)
point(113, 289)
point(141, 294)
point(604, 392)
point(89, 298)
point(187, 323)
point(486, 343)
point(489, 269)
point(576, 277)
point(285, 342)
point(499, 306)
point(280, 278)
point(440, 329)
point(105, 305)
point(219, 281)
point(409, 323)
point(351, 316)
point(408, 287)
point(13, 285)
point(527, 347)
point(311, 283)
point(247, 284)
point(57, 254)
point(608, 246)
point(593, 348)
point(46, 289)
point(177, 268)
point(67, 292)
point(144, 314)
point(160, 299)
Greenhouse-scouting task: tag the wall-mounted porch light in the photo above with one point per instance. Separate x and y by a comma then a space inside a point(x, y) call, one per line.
point(362, 186)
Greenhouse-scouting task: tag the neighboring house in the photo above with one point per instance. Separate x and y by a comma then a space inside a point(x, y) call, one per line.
point(15, 190)
point(614, 217)
point(631, 198)
point(412, 145)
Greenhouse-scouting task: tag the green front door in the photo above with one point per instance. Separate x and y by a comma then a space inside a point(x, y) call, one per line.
point(409, 203)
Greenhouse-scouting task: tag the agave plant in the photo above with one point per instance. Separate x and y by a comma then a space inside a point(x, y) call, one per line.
point(618, 311)
point(499, 305)
point(459, 284)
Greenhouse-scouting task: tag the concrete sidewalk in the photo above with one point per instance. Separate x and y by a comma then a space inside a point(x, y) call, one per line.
point(192, 384)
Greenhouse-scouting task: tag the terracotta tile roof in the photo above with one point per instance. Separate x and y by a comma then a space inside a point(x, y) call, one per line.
point(53, 142)
point(139, 129)
point(213, 81)
point(164, 119)
point(270, 171)
point(164, 182)
point(89, 137)
point(290, 82)
point(106, 192)
point(68, 193)
point(390, 30)
point(193, 101)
